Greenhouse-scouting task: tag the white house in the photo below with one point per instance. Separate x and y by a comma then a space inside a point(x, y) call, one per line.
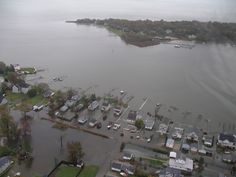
point(226, 140)
point(185, 165)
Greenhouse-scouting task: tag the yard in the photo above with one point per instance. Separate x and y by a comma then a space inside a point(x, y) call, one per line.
point(67, 171)
point(89, 171)
point(22, 99)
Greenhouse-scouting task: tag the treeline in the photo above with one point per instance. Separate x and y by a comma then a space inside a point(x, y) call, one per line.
point(147, 30)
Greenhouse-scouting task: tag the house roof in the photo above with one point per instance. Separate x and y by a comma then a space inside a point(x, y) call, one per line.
point(149, 124)
point(229, 137)
point(173, 154)
point(185, 146)
point(132, 115)
point(4, 160)
point(170, 172)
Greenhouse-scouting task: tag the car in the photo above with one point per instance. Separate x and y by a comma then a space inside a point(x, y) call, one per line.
point(93, 122)
point(82, 120)
point(116, 126)
point(123, 174)
point(117, 111)
point(38, 107)
point(109, 125)
point(58, 114)
point(80, 164)
point(99, 125)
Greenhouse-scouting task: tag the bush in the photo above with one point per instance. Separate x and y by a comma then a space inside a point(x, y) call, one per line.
point(122, 146)
point(32, 92)
point(5, 151)
point(139, 123)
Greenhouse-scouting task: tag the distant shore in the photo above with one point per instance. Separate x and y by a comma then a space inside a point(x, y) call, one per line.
point(143, 33)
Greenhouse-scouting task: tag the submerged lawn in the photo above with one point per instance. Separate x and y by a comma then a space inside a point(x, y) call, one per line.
point(67, 171)
point(89, 171)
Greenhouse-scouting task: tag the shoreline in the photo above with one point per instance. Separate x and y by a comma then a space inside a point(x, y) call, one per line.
point(144, 33)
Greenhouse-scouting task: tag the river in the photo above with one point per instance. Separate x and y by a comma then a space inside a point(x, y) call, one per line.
point(201, 80)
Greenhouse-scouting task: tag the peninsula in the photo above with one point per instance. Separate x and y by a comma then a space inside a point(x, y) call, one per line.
point(145, 33)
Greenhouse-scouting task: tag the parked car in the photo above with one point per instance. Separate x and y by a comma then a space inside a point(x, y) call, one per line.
point(117, 111)
point(82, 120)
point(116, 126)
point(58, 114)
point(38, 107)
point(106, 107)
point(93, 122)
point(109, 125)
point(80, 163)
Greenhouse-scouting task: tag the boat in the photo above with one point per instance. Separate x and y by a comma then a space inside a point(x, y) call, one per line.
point(177, 46)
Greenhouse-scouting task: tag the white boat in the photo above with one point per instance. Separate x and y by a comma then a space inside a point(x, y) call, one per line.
point(177, 46)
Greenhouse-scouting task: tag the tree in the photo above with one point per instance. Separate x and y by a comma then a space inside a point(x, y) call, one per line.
point(74, 151)
point(59, 98)
point(8, 127)
point(139, 123)
point(12, 77)
point(2, 67)
point(201, 163)
point(32, 92)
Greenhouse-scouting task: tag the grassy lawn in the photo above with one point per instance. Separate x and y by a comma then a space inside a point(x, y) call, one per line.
point(156, 162)
point(19, 100)
point(36, 100)
point(67, 171)
point(15, 97)
point(89, 171)
point(29, 70)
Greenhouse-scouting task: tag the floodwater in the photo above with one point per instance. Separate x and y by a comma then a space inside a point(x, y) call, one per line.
point(201, 81)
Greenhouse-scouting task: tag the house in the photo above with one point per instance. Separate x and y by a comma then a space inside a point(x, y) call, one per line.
point(170, 143)
point(64, 108)
point(94, 105)
point(5, 163)
point(132, 116)
point(16, 67)
point(185, 165)
point(15, 89)
point(193, 135)
point(226, 140)
point(76, 97)
point(185, 148)
point(170, 172)
point(21, 87)
point(229, 158)
point(163, 129)
point(118, 166)
point(177, 133)
point(173, 155)
point(194, 147)
point(208, 140)
point(69, 103)
point(68, 116)
point(149, 124)
point(105, 106)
